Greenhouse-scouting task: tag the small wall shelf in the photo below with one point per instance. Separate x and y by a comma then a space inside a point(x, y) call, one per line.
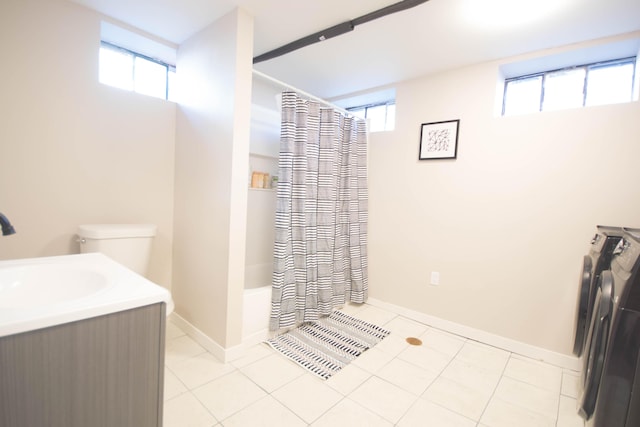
point(264, 156)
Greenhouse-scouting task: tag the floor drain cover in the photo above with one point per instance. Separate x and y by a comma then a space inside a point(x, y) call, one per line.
point(414, 341)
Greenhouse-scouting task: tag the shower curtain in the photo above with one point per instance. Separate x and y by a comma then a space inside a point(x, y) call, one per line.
point(320, 248)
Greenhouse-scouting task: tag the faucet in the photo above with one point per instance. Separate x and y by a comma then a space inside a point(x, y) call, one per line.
point(7, 228)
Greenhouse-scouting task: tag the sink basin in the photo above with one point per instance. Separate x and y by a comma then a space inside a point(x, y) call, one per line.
point(37, 293)
point(38, 285)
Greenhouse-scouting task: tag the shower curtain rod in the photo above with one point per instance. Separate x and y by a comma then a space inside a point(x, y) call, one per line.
point(300, 91)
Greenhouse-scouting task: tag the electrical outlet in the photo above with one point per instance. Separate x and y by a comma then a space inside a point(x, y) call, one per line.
point(435, 278)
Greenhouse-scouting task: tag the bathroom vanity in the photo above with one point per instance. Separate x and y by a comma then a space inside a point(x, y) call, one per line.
point(87, 359)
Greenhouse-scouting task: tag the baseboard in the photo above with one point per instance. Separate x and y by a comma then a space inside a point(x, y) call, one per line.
point(256, 338)
point(198, 336)
point(518, 347)
point(223, 354)
point(533, 352)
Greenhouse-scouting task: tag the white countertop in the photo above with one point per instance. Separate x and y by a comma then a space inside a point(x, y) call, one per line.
point(115, 288)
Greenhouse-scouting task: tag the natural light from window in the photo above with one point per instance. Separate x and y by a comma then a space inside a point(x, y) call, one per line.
point(131, 71)
point(523, 96)
point(610, 85)
point(115, 68)
point(381, 117)
point(150, 78)
point(602, 83)
point(563, 89)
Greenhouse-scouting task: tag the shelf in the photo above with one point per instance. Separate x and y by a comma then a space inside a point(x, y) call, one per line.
point(263, 156)
point(262, 189)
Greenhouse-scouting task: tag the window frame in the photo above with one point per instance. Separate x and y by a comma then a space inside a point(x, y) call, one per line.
point(366, 107)
point(168, 67)
point(587, 67)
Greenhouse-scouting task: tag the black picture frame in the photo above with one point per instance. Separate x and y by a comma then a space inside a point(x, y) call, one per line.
point(439, 140)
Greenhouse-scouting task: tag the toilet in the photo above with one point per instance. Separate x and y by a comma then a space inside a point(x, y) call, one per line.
point(127, 244)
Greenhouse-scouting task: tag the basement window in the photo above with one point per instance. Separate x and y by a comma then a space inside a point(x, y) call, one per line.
point(128, 70)
point(381, 116)
point(608, 82)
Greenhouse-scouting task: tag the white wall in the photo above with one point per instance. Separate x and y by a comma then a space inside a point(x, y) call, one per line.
point(507, 223)
point(72, 150)
point(212, 151)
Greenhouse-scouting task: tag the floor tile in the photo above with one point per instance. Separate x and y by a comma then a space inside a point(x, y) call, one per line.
point(348, 379)
point(267, 412)
point(568, 414)
point(352, 309)
point(403, 327)
point(273, 371)
point(570, 383)
point(253, 354)
point(393, 344)
point(534, 372)
point(441, 341)
point(229, 394)
point(308, 397)
point(485, 356)
point(198, 370)
point(469, 402)
point(472, 376)
point(372, 360)
point(172, 331)
point(407, 376)
point(186, 411)
point(503, 414)
point(426, 358)
point(425, 413)
point(347, 413)
point(181, 348)
point(536, 399)
point(383, 398)
point(447, 381)
point(172, 385)
point(375, 315)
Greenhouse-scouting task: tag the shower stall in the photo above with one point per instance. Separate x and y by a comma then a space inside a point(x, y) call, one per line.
point(318, 216)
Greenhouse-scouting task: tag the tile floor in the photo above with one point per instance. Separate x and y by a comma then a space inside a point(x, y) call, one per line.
point(449, 381)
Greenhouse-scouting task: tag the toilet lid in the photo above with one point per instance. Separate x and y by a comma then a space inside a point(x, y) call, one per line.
point(116, 231)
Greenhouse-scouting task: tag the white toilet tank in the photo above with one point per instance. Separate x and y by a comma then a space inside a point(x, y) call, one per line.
point(128, 244)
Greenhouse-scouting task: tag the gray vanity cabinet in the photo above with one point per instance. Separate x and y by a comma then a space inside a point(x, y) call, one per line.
point(106, 371)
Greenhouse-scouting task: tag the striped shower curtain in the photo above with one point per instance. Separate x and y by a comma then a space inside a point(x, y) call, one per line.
point(320, 249)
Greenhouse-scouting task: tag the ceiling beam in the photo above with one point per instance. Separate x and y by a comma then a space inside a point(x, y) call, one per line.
point(337, 30)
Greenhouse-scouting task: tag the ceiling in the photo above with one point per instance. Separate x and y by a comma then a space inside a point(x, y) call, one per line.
point(434, 36)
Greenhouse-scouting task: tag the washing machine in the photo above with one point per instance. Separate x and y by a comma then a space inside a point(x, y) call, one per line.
point(610, 396)
point(595, 262)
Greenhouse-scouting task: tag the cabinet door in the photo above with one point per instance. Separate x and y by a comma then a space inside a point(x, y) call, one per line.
point(106, 371)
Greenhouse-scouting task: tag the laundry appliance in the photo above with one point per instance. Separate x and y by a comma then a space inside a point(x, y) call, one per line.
point(610, 396)
point(595, 262)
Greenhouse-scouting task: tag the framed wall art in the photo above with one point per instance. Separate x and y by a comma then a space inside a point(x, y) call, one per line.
point(439, 140)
